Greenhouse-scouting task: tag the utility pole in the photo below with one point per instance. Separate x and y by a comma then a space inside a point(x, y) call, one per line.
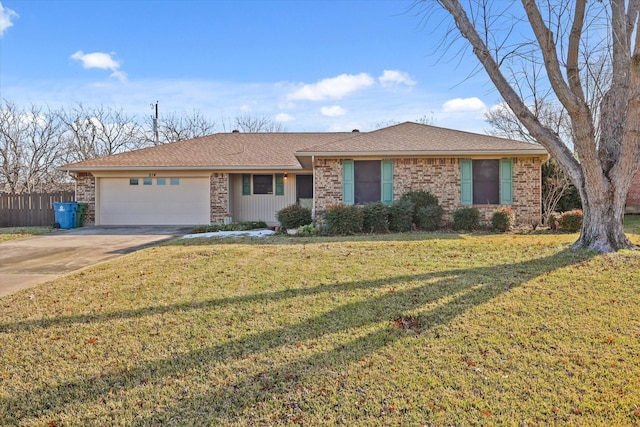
point(155, 124)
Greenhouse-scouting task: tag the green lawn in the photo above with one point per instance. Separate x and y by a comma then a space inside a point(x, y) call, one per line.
point(416, 329)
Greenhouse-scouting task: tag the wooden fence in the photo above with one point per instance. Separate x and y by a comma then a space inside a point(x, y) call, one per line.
point(29, 210)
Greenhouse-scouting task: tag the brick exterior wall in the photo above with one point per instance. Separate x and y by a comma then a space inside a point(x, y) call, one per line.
point(86, 192)
point(527, 190)
point(440, 176)
point(633, 197)
point(327, 185)
point(219, 196)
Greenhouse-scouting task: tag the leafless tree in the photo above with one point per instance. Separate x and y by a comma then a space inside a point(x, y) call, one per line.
point(555, 183)
point(253, 124)
point(589, 53)
point(98, 131)
point(30, 149)
point(423, 120)
point(174, 127)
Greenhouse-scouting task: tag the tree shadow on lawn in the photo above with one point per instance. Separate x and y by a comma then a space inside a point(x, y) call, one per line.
point(466, 288)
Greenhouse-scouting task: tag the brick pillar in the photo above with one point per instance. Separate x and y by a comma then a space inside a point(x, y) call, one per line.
point(86, 193)
point(219, 196)
point(327, 186)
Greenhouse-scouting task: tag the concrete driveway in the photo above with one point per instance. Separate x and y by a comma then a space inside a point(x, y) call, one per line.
point(27, 262)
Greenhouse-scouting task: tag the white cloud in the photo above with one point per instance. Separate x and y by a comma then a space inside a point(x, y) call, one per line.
point(463, 104)
point(332, 88)
point(284, 117)
point(333, 111)
point(100, 60)
point(390, 78)
point(6, 16)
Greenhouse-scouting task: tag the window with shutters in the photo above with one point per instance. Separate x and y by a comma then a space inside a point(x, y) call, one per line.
point(486, 182)
point(262, 184)
point(367, 181)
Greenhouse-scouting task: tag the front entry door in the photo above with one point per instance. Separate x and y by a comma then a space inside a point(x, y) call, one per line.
point(304, 190)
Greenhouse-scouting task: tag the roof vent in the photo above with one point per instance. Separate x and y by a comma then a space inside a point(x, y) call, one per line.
point(235, 131)
point(356, 130)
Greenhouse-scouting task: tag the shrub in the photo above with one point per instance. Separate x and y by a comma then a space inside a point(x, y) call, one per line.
point(293, 216)
point(308, 230)
point(344, 219)
point(375, 218)
point(401, 215)
point(466, 219)
point(502, 219)
point(571, 221)
point(553, 220)
point(429, 217)
point(420, 199)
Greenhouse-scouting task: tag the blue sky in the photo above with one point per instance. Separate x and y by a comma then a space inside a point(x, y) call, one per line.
point(329, 65)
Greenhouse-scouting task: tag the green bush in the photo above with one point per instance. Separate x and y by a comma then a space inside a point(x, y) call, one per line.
point(401, 215)
point(571, 221)
point(375, 218)
point(553, 220)
point(502, 219)
point(309, 230)
point(466, 219)
point(344, 219)
point(293, 216)
point(420, 199)
point(429, 217)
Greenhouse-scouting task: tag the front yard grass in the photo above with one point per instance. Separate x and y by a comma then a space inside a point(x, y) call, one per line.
point(12, 233)
point(415, 329)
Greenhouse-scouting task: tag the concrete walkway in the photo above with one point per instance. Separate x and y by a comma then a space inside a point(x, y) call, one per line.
point(28, 262)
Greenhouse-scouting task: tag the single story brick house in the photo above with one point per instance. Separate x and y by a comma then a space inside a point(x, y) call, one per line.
point(250, 176)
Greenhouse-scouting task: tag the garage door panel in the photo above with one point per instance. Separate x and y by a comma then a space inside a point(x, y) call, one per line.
point(186, 203)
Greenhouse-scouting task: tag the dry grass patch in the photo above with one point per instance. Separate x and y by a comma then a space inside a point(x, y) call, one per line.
point(389, 330)
point(12, 233)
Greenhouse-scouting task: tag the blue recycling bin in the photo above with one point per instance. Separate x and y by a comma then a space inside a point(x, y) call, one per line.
point(65, 213)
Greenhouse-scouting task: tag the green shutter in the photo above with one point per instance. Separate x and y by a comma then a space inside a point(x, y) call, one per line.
point(466, 182)
point(387, 182)
point(506, 182)
point(279, 184)
point(348, 182)
point(246, 184)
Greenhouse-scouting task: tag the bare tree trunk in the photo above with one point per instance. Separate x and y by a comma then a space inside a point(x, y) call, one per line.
point(607, 142)
point(602, 223)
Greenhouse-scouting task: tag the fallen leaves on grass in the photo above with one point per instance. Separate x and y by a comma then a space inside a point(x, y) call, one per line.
point(408, 323)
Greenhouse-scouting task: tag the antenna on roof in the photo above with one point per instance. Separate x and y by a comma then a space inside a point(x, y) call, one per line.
point(155, 123)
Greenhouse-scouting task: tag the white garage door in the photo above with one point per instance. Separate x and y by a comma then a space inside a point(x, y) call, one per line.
point(153, 201)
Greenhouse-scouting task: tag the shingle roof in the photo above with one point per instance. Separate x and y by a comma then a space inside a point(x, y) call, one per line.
point(220, 150)
point(283, 150)
point(414, 138)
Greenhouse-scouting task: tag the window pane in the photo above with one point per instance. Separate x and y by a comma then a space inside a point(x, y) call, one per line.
point(147, 181)
point(133, 181)
point(174, 181)
point(486, 182)
point(161, 181)
point(367, 174)
point(262, 184)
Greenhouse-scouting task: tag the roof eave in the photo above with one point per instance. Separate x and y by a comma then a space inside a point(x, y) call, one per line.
point(447, 153)
point(178, 168)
